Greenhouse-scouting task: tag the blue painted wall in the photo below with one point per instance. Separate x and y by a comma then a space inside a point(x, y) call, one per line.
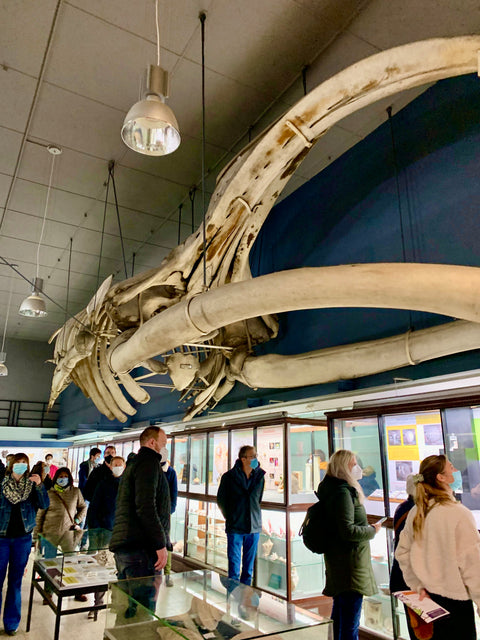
point(350, 213)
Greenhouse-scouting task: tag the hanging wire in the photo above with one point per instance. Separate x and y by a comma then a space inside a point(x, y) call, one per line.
point(203, 17)
point(111, 175)
point(180, 207)
point(45, 214)
point(399, 198)
point(8, 311)
point(68, 278)
point(133, 263)
point(103, 230)
point(157, 23)
point(304, 79)
point(191, 195)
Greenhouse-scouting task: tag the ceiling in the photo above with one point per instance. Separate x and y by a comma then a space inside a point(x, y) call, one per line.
point(69, 72)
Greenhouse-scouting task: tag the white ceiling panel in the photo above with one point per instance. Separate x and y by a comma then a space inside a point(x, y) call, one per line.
point(25, 27)
point(16, 94)
point(10, 142)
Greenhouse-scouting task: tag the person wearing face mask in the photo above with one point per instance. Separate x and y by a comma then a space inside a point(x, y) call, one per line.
point(21, 495)
point(99, 473)
point(348, 567)
point(140, 537)
point(52, 468)
point(239, 497)
point(439, 550)
point(60, 523)
point(87, 466)
point(101, 515)
point(171, 477)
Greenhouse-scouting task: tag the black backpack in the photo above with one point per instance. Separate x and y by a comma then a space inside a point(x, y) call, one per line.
point(314, 530)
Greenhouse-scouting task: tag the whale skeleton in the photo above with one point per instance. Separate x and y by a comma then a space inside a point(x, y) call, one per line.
point(202, 313)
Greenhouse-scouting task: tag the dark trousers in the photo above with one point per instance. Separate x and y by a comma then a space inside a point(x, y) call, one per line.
point(461, 622)
point(14, 554)
point(236, 542)
point(346, 615)
point(138, 564)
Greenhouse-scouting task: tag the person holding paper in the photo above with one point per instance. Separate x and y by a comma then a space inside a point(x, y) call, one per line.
point(439, 550)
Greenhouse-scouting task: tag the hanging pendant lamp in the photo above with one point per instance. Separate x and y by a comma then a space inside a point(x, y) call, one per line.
point(34, 305)
point(150, 127)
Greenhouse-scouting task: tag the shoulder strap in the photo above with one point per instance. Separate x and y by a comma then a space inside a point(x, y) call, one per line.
point(400, 520)
point(65, 505)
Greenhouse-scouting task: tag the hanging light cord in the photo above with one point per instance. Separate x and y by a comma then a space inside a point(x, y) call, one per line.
point(68, 279)
point(111, 175)
point(204, 234)
point(180, 207)
point(45, 215)
point(103, 229)
point(8, 311)
point(157, 23)
point(191, 195)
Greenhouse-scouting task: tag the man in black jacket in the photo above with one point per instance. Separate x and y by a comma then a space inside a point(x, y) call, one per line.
point(140, 535)
point(99, 473)
point(239, 497)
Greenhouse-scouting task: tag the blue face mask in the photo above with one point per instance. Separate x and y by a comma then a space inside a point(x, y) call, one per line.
point(254, 463)
point(19, 468)
point(456, 485)
point(62, 482)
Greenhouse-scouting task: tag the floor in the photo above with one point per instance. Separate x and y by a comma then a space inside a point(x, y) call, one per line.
point(43, 619)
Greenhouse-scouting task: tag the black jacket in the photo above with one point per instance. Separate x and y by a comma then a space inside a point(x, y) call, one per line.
point(101, 512)
point(96, 476)
point(239, 499)
point(142, 517)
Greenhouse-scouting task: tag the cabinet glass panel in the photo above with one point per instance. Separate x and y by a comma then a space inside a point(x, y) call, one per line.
point(198, 462)
point(216, 538)
point(409, 438)
point(307, 573)
point(361, 436)
point(377, 610)
point(177, 526)
point(217, 459)
point(272, 553)
point(239, 438)
point(308, 446)
point(270, 451)
point(196, 529)
point(180, 463)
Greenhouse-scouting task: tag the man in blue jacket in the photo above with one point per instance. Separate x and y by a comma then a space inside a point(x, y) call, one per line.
point(239, 497)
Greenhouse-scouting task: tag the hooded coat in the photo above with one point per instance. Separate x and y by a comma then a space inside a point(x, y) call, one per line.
point(348, 564)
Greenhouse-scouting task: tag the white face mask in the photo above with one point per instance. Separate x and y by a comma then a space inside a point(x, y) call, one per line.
point(357, 473)
point(117, 471)
point(164, 453)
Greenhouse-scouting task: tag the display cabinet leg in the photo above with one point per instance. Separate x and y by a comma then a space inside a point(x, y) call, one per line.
point(58, 617)
point(30, 603)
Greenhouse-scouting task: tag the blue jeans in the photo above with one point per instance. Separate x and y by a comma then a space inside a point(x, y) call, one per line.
point(235, 543)
point(14, 554)
point(346, 615)
point(138, 564)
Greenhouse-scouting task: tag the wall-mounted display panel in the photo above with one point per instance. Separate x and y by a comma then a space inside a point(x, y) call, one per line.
point(270, 453)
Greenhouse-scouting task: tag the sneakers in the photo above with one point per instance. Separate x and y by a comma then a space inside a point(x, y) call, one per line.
point(11, 632)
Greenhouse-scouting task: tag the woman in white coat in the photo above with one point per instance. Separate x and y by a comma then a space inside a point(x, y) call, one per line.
point(439, 550)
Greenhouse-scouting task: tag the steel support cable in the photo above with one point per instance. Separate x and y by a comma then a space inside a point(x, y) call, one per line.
point(111, 175)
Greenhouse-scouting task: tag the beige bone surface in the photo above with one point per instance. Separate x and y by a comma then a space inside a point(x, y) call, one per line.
point(153, 302)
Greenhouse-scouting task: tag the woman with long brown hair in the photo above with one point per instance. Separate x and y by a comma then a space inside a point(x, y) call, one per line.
point(439, 550)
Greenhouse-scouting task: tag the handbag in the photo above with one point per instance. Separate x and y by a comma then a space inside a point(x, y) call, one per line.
point(77, 534)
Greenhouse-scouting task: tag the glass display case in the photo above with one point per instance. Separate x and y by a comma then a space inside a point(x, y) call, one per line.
point(197, 530)
point(238, 438)
point(307, 573)
point(308, 445)
point(217, 459)
point(203, 604)
point(216, 538)
point(272, 553)
point(177, 526)
point(180, 461)
point(198, 462)
point(270, 453)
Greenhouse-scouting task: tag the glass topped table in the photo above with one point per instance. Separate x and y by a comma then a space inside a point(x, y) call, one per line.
point(204, 605)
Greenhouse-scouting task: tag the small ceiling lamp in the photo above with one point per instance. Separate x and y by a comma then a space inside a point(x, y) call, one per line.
point(3, 355)
point(34, 306)
point(150, 126)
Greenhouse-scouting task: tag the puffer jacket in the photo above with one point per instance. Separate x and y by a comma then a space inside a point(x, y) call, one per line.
point(142, 516)
point(239, 499)
point(38, 498)
point(348, 564)
point(55, 522)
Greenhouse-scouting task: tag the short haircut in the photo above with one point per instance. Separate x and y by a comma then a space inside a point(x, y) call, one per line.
point(64, 470)
point(244, 450)
point(111, 446)
point(117, 458)
point(18, 457)
point(49, 455)
point(149, 433)
point(94, 451)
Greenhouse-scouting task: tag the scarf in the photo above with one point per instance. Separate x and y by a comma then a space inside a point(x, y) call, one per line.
point(14, 491)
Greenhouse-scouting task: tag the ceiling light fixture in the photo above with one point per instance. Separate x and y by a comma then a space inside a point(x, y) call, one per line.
point(34, 305)
point(3, 355)
point(150, 127)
